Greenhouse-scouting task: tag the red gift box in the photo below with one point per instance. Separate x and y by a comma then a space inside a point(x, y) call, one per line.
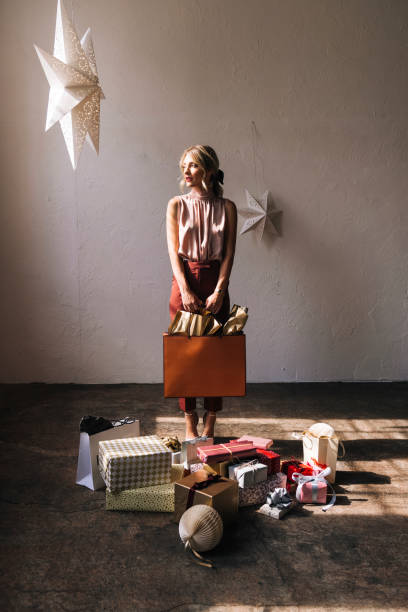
point(222, 452)
point(270, 459)
point(289, 467)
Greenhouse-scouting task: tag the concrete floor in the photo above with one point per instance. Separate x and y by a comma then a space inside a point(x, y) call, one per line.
point(61, 551)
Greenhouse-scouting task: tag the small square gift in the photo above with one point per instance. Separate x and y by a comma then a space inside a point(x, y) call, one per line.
point(147, 499)
point(264, 443)
point(313, 489)
point(248, 474)
point(133, 463)
point(270, 459)
point(257, 494)
point(278, 503)
point(223, 452)
point(292, 466)
point(208, 489)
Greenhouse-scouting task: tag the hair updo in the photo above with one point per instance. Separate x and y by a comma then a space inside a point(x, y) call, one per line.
point(206, 158)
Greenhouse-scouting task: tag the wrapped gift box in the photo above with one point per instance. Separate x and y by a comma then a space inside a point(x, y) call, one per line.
point(248, 474)
point(223, 452)
point(148, 499)
point(270, 459)
point(257, 494)
point(292, 466)
point(133, 463)
point(176, 458)
point(312, 492)
point(274, 511)
point(201, 488)
point(264, 443)
point(194, 467)
point(221, 468)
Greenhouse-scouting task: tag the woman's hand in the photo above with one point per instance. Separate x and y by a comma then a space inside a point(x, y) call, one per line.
point(214, 302)
point(191, 302)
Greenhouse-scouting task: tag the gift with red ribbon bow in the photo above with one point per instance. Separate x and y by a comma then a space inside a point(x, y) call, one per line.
point(210, 489)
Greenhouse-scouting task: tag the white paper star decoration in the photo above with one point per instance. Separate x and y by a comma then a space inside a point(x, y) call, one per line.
point(75, 93)
point(259, 215)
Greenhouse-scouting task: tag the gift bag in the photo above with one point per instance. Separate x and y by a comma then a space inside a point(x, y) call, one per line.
point(207, 366)
point(321, 444)
point(88, 474)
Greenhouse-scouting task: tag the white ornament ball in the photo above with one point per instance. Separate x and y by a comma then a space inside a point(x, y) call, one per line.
point(201, 526)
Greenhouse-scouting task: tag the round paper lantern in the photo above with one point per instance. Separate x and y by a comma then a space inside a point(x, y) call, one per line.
point(201, 528)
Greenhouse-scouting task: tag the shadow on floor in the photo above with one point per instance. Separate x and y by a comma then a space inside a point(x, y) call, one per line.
point(62, 551)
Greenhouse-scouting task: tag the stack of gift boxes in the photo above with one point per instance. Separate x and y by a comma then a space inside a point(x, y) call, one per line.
point(143, 474)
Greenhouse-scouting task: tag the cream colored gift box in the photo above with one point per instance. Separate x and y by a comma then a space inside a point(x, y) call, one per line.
point(133, 463)
point(147, 499)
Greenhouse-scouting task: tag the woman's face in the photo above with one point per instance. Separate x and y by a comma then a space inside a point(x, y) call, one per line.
point(193, 174)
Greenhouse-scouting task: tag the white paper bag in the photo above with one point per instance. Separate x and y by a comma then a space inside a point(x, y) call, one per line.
point(321, 443)
point(88, 474)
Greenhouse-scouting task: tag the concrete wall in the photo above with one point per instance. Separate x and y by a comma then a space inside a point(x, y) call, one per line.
point(84, 266)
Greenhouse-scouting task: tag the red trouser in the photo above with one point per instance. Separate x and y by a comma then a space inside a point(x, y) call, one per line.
point(202, 279)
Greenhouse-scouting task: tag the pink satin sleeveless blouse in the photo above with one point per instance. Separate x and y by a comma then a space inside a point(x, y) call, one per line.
point(201, 227)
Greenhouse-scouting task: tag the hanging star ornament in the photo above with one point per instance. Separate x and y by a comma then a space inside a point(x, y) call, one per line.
point(258, 215)
point(75, 93)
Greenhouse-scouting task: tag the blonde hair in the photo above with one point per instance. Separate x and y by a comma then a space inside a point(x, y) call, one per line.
point(206, 158)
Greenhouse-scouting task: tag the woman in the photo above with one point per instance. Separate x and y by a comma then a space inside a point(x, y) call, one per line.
point(201, 235)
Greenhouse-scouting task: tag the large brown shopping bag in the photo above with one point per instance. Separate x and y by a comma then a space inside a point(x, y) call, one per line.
point(204, 366)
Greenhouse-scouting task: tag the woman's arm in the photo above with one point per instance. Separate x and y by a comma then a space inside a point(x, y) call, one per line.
point(214, 301)
point(191, 302)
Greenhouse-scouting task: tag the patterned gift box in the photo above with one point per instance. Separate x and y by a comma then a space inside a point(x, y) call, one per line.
point(274, 512)
point(223, 452)
point(147, 499)
point(248, 474)
point(257, 494)
point(201, 488)
point(270, 459)
point(133, 463)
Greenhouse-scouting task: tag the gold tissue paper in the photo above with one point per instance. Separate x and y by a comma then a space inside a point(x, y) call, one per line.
point(236, 320)
point(193, 324)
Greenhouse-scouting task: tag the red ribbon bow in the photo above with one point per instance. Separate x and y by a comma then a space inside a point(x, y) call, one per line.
point(200, 485)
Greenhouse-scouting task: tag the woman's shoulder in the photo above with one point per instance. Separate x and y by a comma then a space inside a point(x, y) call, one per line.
point(230, 205)
point(174, 201)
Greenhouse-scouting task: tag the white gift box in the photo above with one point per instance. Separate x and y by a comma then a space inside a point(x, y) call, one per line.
point(248, 474)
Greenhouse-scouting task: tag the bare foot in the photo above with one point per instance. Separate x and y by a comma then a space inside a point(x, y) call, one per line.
point(209, 419)
point(191, 419)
